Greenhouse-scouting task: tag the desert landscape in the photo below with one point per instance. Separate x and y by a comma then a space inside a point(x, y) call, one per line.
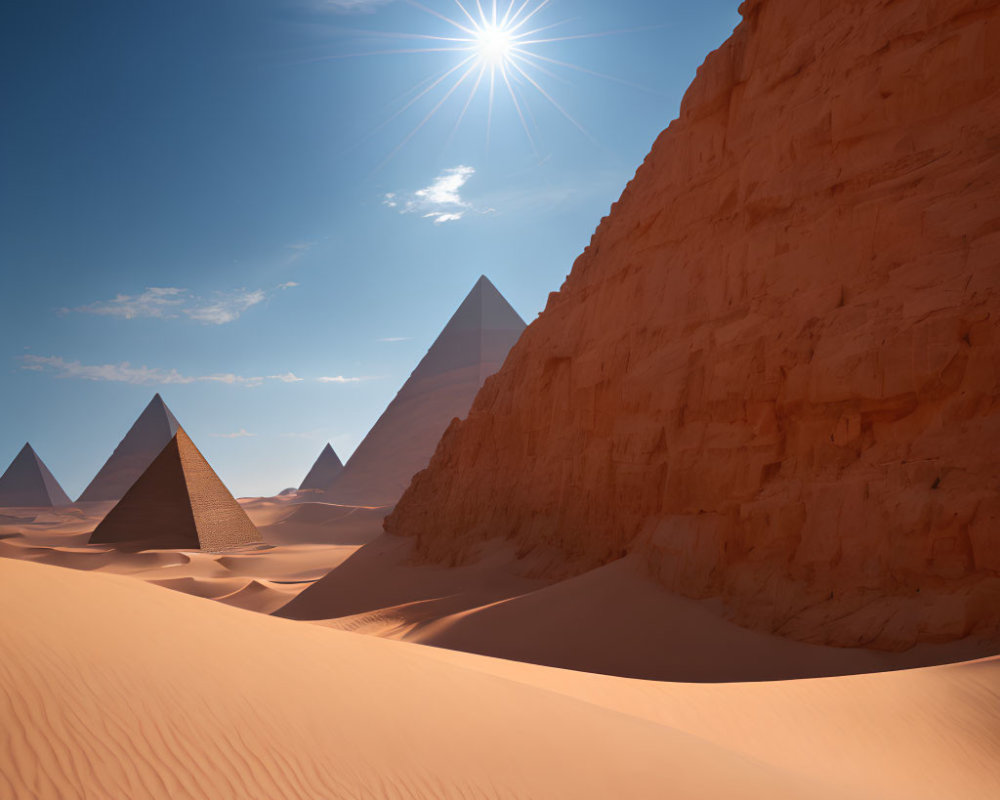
point(723, 521)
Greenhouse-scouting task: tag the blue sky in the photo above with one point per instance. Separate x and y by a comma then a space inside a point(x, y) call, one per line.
point(217, 200)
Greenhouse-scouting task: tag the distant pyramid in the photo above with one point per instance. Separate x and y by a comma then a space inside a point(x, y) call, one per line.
point(145, 439)
point(178, 503)
point(28, 482)
point(472, 346)
point(327, 467)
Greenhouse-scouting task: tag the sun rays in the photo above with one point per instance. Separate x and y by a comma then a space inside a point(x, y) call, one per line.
point(496, 46)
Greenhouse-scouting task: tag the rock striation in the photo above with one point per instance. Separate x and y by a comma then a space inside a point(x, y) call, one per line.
point(28, 482)
point(471, 347)
point(149, 434)
point(178, 503)
point(774, 373)
point(323, 471)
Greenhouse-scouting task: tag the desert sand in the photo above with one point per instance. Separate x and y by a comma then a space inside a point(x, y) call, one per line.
point(307, 540)
point(219, 702)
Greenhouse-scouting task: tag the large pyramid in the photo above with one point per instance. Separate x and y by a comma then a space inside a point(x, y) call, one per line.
point(774, 373)
point(327, 467)
point(471, 347)
point(148, 435)
point(28, 482)
point(178, 503)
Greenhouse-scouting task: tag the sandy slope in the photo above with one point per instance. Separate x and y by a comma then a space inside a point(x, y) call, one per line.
point(618, 621)
point(115, 688)
point(614, 620)
point(380, 577)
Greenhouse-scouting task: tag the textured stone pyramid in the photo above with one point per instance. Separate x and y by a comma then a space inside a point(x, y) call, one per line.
point(178, 503)
point(148, 435)
point(327, 467)
point(774, 373)
point(28, 482)
point(471, 347)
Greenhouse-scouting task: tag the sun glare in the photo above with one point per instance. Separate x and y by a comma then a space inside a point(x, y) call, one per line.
point(496, 45)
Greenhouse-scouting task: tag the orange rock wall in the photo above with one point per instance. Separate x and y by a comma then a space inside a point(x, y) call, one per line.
point(775, 370)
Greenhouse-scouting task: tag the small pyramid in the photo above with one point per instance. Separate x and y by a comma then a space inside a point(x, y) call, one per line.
point(472, 346)
point(28, 482)
point(327, 467)
point(148, 435)
point(178, 503)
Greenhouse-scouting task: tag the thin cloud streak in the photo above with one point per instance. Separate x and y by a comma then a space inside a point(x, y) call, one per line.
point(165, 302)
point(242, 433)
point(124, 372)
point(342, 379)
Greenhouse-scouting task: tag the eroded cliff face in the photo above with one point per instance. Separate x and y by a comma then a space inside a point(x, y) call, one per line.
point(775, 371)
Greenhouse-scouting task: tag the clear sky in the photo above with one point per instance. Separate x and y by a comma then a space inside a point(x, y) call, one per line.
point(239, 204)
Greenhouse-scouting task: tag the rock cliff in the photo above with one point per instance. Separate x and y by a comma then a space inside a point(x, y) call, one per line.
point(775, 370)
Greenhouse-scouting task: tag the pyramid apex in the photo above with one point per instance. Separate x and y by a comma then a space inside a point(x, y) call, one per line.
point(28, 482)
point(152, 429)
point(326, 467)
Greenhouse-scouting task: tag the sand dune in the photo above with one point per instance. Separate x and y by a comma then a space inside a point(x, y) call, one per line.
point(114, 688)
point(379, 577)
point(618, 621)
point(261, 596)
point(315, 522)
point(614, 620)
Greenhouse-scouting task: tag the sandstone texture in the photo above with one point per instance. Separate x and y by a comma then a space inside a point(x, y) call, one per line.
point(774, 373)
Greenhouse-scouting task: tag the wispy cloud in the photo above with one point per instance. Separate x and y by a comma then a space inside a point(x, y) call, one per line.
point(160, 302)
point(288, 377)
point(394, 339)
point(439, 202)
point(124, 372)
point(342, 379)
point(296, 251)
point(242, 433)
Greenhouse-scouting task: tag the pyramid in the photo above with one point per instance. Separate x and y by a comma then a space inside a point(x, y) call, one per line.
point(471, 347)
point(327, 467)
point(28, 482)
point(145, 439)
point(178, 503)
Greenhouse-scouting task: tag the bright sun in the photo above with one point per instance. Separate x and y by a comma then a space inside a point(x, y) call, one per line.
point(494, 44)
